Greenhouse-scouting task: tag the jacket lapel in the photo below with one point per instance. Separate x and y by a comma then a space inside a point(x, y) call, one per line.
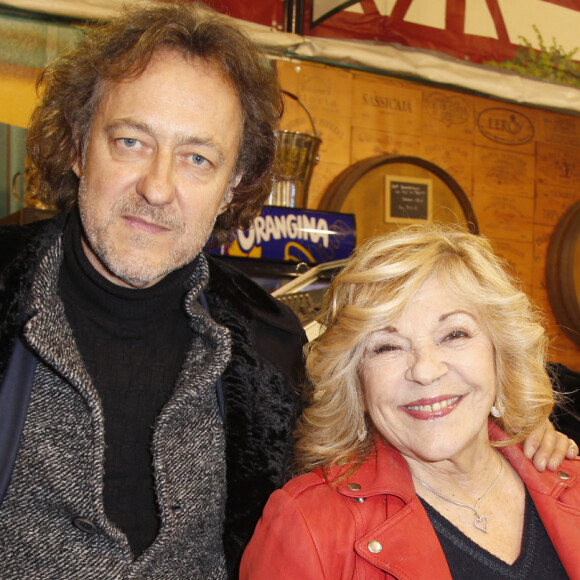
point(556, 496)
point(403, 541)
point(396, 547)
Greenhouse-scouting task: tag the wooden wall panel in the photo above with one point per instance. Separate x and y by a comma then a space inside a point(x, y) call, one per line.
point(520, 256)
point(504, 172)
point(504, 126)
point(452, 155)
point(519, 166)
point(386, 107)
point(504, 217)
point(447, 114)
point(322, 176)
point(370, 142)
point(558, 129)
point(558, 166)
point(552, 203)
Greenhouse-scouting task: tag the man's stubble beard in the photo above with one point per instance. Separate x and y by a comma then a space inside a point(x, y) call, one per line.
point(134, 267)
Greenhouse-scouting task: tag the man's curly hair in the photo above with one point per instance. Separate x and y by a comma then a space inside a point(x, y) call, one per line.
point(120, 49)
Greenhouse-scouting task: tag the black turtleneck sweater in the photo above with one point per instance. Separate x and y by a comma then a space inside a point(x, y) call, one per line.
point(133, 343)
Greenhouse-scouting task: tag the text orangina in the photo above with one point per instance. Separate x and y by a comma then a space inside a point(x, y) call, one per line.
point(294, 227)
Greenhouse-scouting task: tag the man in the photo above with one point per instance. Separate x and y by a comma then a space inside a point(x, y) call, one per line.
point(148, 393)
point(164, 386)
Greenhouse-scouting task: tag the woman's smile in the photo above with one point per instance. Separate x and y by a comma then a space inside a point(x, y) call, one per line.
point(434, 408)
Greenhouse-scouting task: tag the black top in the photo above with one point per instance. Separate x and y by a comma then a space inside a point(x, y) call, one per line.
point(538, 559)
point(133, 342)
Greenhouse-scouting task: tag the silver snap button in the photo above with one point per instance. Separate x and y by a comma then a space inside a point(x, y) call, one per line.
point(85, 525)
point(374, 546)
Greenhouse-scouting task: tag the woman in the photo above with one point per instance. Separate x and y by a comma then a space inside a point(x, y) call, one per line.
point(430, 372)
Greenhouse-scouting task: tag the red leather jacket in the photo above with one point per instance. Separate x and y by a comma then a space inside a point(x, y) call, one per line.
point(312, 531)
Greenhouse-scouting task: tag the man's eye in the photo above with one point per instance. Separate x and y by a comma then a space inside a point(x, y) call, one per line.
point(198, 159)
point(128, 142)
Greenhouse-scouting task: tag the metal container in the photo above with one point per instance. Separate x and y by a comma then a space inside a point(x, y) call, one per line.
point(296, 156)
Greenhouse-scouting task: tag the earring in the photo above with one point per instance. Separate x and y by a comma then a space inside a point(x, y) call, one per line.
point(362, 432)
point(495, 412)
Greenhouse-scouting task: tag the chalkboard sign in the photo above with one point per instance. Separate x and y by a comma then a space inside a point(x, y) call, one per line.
point(408, 199)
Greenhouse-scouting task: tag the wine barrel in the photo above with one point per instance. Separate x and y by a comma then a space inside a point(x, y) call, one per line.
point(360, 189)
point(563, 272)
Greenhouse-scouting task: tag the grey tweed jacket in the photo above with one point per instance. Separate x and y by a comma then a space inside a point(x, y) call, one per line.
point(52, 522)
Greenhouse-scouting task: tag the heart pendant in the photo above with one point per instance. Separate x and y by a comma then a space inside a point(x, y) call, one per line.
point(480, 522)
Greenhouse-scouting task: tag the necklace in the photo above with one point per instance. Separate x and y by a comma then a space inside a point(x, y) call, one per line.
point(480, 521)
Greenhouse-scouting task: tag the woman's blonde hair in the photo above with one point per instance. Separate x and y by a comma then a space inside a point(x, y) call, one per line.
point(372, 291)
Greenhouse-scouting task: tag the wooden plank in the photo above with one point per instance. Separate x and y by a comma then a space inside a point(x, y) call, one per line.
point(504, 126)
point(519, 256)
point(452, 155)
point(552, 202)
point(326, 90)
point(504, 217)
point(386, 106)
point(558, 166)
point(558, 129)
point(322, 176)
point(503, 172)
point(372, 142)
point(542, 238)
point(335, 135)
point(447, 114)
point(289, 74)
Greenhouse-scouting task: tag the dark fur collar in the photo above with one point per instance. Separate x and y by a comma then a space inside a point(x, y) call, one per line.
point(251, 299)
point(23, 247)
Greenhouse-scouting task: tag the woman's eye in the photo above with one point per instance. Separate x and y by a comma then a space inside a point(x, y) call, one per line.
point(386, 348)
point(455, 334)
